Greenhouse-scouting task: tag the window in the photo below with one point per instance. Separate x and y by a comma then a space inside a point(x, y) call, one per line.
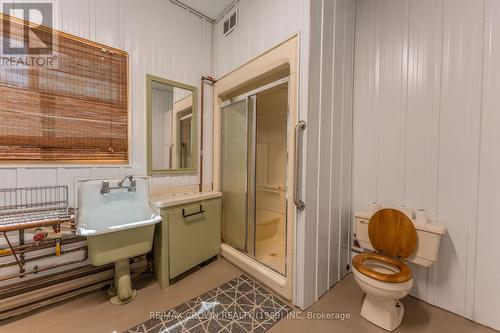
point(76, 111)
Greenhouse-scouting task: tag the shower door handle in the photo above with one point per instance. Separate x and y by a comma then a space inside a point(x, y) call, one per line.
point(299, 129)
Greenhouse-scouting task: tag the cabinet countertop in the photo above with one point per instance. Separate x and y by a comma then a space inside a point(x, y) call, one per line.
point(174, 199)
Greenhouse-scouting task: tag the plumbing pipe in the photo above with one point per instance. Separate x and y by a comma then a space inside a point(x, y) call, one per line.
point(51, 300)
point(35, 224)
point(38, 270)
point(18, 261)
point(15, 302)
point(82, 248)
point(43, 293)
point(203, 80)
point(48, 243)
point(18, 288)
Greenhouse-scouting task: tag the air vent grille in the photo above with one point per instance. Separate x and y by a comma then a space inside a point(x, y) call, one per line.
point(230, 23)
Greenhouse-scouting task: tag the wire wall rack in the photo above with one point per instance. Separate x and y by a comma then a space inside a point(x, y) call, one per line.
point(30, 207)
point(35, 208)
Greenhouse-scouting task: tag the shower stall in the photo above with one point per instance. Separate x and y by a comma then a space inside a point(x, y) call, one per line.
point(253, 174)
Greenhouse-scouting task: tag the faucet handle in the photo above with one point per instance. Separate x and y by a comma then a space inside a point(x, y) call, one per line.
point(105, 188)
point(132, 186)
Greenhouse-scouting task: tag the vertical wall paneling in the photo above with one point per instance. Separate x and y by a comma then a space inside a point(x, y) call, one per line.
point(487, 274)
point(365, 104)
point(422, 112)
point(75, 17)
point(329, 127)
point(342, 100)
point(458, 151)
point(313, 151)
point(262, 24)
point(392, 87)
point(326, 208)
point(426, 135)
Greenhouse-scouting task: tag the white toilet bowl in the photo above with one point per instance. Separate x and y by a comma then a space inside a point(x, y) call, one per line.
point(381, 305)
point(384, 275)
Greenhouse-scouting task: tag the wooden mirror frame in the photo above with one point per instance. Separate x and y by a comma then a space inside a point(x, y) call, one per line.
point(194, 128)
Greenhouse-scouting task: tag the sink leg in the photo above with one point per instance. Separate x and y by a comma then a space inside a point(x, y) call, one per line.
point(123, 283)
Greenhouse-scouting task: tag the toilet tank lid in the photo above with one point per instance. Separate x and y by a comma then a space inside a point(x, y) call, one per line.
point(435, 228)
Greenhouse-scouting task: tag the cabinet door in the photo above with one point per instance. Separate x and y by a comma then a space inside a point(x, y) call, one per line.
point(194, 235)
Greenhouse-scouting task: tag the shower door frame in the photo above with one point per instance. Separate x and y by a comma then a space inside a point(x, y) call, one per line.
point(280, 61)
point(282, 284)
point(250, 99)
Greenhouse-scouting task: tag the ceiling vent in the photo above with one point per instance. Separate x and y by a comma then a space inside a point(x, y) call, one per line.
point(230, 23)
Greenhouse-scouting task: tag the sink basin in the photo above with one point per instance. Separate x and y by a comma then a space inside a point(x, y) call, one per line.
point(118, 224)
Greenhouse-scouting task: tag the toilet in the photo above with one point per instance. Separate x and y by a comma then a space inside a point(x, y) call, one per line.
point(384, 275)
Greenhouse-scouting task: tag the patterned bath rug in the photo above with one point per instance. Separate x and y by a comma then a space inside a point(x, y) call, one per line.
point(240, 305)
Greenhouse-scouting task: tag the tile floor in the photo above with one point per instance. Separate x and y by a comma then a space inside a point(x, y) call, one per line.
point(238, 306)
point(94, 313)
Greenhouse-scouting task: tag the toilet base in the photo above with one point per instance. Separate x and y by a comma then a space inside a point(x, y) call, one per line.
point(385, 313)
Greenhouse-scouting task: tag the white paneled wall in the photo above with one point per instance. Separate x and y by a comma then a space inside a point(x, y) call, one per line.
point(262, 24)
point(329, 144)
point(426, 135)
point(487, 273)
point(161, 39)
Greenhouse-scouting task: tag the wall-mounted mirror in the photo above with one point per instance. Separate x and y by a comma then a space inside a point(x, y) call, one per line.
point(172, 126)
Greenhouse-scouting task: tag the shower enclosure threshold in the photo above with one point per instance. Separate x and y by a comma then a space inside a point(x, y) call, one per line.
point(268, 276)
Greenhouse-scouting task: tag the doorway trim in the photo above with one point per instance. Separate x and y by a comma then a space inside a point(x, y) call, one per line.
point(253, 92)
point(281, 62)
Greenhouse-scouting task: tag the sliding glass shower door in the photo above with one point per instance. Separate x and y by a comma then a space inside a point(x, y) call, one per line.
point(254, 129)
point(234, 184)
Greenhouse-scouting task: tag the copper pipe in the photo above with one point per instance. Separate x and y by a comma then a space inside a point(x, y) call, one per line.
point(212, 81)
point(13, 252)
point(35, 224)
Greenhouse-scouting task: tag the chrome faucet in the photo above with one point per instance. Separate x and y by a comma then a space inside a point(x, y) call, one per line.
point(106, 189)
point(130, 178)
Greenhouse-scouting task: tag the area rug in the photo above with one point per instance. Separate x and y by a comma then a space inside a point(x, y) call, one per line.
point(240, 305)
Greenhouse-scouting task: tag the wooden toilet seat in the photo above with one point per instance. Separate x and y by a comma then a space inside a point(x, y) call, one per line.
point(403, 275)
point(392, 233)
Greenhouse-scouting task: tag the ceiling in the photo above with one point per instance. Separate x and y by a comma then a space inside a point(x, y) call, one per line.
point(210, 8)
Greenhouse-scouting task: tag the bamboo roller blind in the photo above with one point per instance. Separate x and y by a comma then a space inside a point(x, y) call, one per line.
point(77, 111)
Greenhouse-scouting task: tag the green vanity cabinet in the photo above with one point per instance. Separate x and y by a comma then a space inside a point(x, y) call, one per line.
point(188, 235)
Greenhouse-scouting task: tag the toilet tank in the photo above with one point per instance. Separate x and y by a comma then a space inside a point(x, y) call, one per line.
point(429, 237)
